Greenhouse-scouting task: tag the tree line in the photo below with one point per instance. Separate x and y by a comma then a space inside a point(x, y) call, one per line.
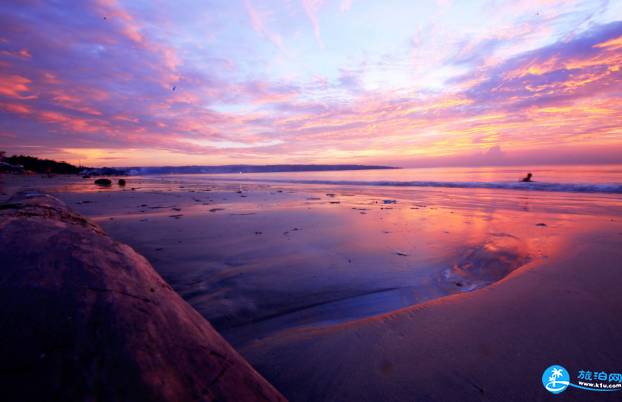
point(39, 165)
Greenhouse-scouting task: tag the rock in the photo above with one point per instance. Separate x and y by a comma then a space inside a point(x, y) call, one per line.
point(86, 177)
point(105, 182)
point(121, 182)
point(87, 318)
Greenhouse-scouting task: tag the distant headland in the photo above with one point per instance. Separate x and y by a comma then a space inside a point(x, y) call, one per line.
point(240, 169)
point(34, 164)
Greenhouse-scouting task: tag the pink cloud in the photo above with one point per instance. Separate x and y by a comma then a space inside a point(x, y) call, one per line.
point(257, 21)
point(111, 10)
point(312, 7)
point(12, 85)
point(22, 54)
point(261, 92)
point(346, 5)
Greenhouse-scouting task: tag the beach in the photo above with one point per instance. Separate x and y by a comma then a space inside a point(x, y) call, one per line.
point(331, 293)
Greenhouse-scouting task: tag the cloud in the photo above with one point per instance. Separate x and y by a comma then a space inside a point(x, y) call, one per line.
point(312, 7)
point(12, 85)
point(257, 21)
point(72, 80)
point(346, 5)
point(492, 155)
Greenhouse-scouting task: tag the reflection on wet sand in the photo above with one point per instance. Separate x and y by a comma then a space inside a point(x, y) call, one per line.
point(277, 257)
point(488, 263)
point(492, 261)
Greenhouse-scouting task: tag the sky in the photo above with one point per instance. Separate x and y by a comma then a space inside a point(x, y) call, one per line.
point(399, 83)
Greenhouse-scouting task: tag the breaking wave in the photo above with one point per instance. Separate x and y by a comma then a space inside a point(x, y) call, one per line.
point(605, 188)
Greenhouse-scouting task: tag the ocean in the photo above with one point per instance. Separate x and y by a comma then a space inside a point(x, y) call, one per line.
point(571, 179)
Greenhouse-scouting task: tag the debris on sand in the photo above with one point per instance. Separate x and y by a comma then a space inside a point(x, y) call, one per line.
point(103, 182)
point(146, 220)
point(257, 232)
point(313, 198)
point(330, 195)
point(177, 209)
point(176, 216)
point(400, 253)
point(216, 209)
point(459, 283)
point(390, 201)
point(335, 202)
point(540, 224)
point(86, 177)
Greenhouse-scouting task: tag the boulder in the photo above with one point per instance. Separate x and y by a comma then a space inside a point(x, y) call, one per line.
point(121, 182)
point(103, 181)
point(84, 317)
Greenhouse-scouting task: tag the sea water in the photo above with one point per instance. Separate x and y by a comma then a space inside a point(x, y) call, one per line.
point(573, 179)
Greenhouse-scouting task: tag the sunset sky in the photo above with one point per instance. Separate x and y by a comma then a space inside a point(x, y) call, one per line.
point(401, 83)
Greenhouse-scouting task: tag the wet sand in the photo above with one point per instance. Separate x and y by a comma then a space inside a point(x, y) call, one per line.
point(325, 284)
point(490, 345)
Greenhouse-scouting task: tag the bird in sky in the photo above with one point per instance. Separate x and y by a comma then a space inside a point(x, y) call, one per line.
point(174, 87)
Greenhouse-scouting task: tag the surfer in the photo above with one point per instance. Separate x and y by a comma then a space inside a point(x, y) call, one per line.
point(528, 178)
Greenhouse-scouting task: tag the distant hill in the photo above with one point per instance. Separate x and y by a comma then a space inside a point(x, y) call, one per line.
point(233, 169)
point(39, 165)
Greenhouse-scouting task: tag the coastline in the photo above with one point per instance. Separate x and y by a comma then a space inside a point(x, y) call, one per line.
point(386, 334)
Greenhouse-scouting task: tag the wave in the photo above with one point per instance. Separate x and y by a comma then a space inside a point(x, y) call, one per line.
point(605, 188)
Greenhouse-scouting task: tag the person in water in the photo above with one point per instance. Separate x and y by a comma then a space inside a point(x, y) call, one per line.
point(528, 178)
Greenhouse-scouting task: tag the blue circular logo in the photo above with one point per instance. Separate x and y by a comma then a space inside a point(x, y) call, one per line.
point(555, 379)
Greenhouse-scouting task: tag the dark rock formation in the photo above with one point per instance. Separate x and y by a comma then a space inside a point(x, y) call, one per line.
point(121, 182)
point(105, 182)
point(83, 317)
